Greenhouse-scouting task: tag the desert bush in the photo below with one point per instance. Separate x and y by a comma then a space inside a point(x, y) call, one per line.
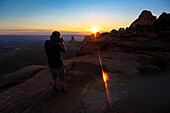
point(158, 64)
point(148, 70)
point(162, 62)
point(73, 64)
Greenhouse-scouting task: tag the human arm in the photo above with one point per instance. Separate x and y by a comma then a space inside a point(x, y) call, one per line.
point(64, 49)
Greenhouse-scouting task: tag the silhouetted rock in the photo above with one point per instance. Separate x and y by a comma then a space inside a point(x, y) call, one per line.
point(98, 35)
point(140, 36)
point(164, 36)
point(93, 42)
point(72, 40)
point(113, 31)
point(86, 50)
point(87, 38)
point(163, 22)
point(121, 29)
point(145, 18)
point(102, 35)
point(91, 37)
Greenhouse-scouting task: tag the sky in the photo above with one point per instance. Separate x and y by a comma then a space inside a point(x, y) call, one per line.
point(41, 17)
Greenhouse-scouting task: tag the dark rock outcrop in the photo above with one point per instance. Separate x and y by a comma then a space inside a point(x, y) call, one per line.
point(72, 38)
point(163, 22)
point(140, 36)
point(145, 18)
point(113, 31)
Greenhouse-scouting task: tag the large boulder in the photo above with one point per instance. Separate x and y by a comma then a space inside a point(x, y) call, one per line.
point(145, 18)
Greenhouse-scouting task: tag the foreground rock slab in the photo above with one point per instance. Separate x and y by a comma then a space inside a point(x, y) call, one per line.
point(20, 97)
point(19, 76)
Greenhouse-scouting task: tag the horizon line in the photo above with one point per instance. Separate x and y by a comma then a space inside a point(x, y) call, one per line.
point(39, 34)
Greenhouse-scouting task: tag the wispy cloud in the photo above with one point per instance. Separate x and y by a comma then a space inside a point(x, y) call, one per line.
point(26, 31)
point(74, 33)
point(37, 32)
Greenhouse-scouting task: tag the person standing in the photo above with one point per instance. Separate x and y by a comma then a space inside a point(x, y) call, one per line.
point(53, 49)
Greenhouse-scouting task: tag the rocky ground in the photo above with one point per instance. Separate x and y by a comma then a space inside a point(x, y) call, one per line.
point(129, 91)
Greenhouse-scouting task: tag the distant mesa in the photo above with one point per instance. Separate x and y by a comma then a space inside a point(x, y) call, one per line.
point(72, 39)
point(145, 18)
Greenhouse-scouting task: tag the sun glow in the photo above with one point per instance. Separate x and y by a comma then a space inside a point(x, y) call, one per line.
point(94, 29)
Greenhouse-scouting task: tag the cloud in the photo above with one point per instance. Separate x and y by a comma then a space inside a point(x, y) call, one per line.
point(74, 33)
point(28, 30)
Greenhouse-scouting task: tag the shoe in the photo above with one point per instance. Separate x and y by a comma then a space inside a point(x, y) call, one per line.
point(54, 93)
point(63, 91)
point(55, 90)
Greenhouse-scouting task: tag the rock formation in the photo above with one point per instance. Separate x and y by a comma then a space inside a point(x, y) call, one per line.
point(145, 18)
point(133, 39)
point(163, 22)
point(72, 39)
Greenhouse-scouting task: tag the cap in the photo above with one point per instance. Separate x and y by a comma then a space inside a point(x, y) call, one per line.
point(55, 35)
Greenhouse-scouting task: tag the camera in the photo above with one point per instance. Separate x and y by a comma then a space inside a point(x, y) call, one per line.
point(60, 40)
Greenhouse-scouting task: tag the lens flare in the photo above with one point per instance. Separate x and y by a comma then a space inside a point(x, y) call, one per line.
point(105, 78)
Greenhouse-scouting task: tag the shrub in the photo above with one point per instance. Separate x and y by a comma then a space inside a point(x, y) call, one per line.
point(73, 64)
point(148, 70)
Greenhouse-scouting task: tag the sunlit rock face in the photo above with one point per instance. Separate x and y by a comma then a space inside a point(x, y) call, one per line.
point(145, 18)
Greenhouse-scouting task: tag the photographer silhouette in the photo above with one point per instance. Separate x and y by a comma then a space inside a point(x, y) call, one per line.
point(53, 49)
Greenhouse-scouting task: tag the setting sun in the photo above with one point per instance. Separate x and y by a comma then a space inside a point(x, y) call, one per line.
point(94, 30)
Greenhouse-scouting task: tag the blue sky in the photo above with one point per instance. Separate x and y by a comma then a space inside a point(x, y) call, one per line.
point(69, 16)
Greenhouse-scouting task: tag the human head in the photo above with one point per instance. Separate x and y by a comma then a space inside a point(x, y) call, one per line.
point(55, 35)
